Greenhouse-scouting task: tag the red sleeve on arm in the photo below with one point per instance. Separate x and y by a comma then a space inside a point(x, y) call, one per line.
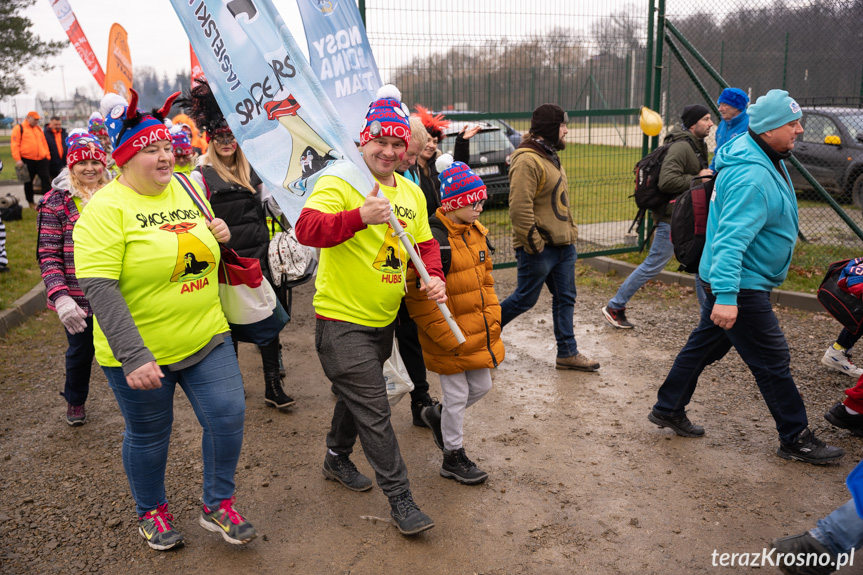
point(429, 251)
point(322, 230)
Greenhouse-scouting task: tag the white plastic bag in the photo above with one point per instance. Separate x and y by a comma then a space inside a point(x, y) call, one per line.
point(396, 376)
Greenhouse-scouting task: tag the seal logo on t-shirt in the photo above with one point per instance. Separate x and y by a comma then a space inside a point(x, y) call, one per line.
point(194, 258)
point(388, 261)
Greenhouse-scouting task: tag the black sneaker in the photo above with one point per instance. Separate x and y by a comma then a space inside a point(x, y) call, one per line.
point(679, 424)
point(840, 417)
point(417, 406)
point(616, 317)
point(431, 416)
point(807, 550)
point(340, 468)
point(810, 449)
point(407, 516)
point(456, 465)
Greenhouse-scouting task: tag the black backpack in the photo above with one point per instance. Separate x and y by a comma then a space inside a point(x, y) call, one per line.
point(647, 195)
point(647, 169)
point(689, 222)
point(845, 307)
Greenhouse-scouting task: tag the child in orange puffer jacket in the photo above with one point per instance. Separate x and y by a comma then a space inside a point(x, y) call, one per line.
point(464, 369)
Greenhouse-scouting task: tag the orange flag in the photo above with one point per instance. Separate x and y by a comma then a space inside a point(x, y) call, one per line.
point(118, 69)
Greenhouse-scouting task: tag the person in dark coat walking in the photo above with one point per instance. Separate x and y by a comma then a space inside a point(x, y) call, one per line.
point(55, 135)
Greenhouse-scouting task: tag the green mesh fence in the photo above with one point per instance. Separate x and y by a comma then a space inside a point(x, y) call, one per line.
point(812, 50)
point(496, 61)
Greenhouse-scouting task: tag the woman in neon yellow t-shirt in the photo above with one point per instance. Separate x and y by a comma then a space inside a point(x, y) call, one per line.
point(147, 263)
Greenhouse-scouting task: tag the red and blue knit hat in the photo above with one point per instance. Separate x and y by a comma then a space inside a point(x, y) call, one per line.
point(96, 125)
point(459, 185)
point(180, 141)
point(131, 129)
point(387, 116)
point(84, 146)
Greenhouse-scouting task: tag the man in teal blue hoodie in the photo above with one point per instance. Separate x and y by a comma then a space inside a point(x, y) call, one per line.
point(751, 234)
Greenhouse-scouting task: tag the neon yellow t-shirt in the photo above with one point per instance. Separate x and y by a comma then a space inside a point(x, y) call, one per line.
point(361, 279)
point(165, 258)
point(187, 169)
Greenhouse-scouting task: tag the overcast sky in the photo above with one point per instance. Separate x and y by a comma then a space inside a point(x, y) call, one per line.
point(157, 39)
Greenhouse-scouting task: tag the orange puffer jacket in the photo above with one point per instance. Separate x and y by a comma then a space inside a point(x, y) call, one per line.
point(470, 298)
point(29, 143)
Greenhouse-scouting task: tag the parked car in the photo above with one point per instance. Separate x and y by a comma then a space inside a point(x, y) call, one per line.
point(490, 154)
point(831, 149)
point(513, 135)
point(6, 122)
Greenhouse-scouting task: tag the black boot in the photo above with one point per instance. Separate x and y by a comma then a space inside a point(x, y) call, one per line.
point(282, 371)
point(417, 407)
point(274, 394)
point(407, 516)
point(457, 465)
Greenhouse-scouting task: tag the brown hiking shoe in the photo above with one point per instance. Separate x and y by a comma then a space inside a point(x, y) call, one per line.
point(579, 362)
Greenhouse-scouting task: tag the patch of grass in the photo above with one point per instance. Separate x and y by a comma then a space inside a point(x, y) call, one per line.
point(600, 181)
point(808, 264)
point(8, 172)
point(23, 271)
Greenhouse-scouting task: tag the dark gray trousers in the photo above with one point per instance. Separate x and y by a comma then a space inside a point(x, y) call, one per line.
point(352, 356)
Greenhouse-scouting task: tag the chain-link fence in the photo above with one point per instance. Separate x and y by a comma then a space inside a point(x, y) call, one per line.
point(812, 50)
point(496, 61)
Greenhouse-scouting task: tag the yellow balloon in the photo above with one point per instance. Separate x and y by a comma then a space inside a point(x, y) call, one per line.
point(650, 121)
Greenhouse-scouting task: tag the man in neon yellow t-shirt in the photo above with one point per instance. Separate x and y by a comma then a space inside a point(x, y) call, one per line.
point(359, 287)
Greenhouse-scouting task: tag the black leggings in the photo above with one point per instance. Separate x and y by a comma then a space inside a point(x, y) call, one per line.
point(847, 339)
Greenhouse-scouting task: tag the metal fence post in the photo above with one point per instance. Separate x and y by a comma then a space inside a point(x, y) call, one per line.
point(648, 71)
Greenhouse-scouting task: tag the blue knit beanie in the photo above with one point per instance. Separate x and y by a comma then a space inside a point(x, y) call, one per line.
point(459, 185)
point(734, 97)
point(772, 110)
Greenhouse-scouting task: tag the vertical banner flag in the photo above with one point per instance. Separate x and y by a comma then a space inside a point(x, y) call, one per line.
point(274, 104)
point(118, 68)
point(197, 71)
point(276, 107)
point(79, 41)
point(341, 57)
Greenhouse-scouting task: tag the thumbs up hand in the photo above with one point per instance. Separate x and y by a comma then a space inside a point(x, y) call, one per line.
point(376, 209)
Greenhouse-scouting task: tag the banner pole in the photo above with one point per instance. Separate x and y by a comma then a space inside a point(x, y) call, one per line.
point(421, 270)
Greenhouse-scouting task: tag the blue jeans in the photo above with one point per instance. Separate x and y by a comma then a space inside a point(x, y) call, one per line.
point(841, 531)
point(761, 344)
point(554, 267)
point(214, 387)
point(79, 362)
point(661, 252)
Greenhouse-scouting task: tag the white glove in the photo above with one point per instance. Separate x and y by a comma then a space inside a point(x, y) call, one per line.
point(71, 314)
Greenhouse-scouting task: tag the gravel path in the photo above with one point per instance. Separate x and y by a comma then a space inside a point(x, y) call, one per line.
point(580, 481)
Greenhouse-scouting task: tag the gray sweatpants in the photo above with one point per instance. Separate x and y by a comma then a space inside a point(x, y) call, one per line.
point(353, 356)
point(460, 391)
